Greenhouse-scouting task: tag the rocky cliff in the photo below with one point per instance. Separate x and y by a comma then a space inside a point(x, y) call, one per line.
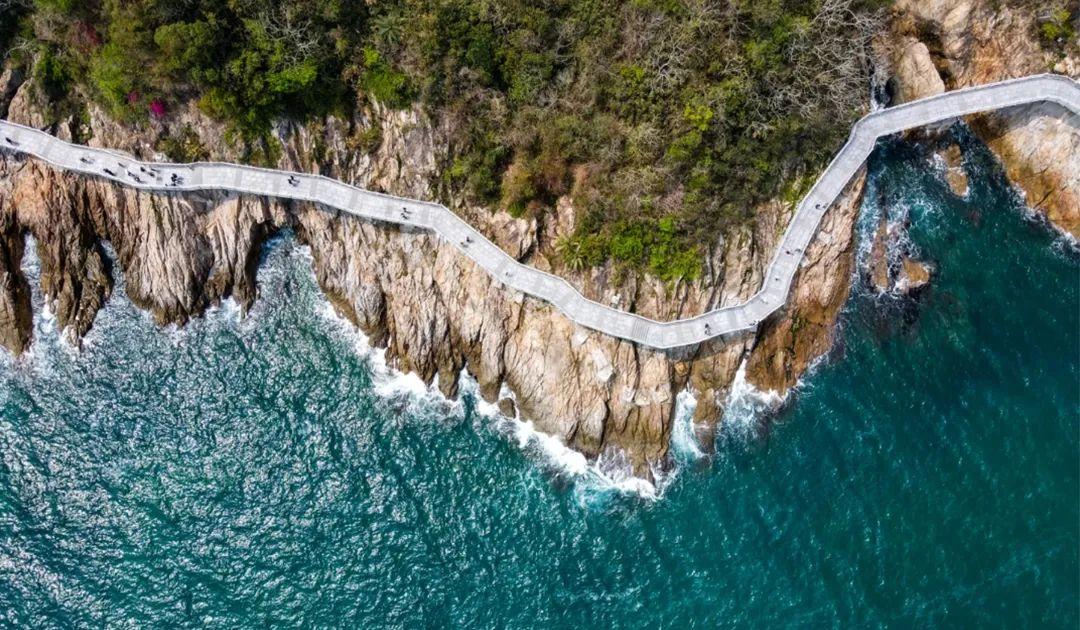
point(937, 45)
point(433, 310)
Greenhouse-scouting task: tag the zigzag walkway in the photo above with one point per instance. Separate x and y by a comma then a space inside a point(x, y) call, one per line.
point(164, 177)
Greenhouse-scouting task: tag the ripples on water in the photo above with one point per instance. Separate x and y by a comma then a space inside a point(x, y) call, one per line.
point(268, 470)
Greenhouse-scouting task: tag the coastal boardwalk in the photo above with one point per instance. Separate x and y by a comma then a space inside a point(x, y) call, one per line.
point(154, 176)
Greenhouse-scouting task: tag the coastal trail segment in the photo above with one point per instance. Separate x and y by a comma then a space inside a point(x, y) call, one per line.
point(166, 177)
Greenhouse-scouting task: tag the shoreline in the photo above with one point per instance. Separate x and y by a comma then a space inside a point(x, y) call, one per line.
point(771, 297)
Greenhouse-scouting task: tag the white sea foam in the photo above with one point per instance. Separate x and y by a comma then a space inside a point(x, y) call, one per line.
point(684, 442)
point(746, 405)
point(48, 338)
point(1065, 245)
point(605, 475)
point(608, 474)
point(228, 310)
point(469, 385)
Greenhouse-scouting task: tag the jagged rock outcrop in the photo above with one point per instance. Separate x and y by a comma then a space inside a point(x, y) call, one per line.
point(179, 254)
point(74, 273)
point(787, 345)
point(955, 175)
point(16, 318)
point(915, 71)
point(914, 275)
point(960, 43)
point(891, 268)
point(878, 263)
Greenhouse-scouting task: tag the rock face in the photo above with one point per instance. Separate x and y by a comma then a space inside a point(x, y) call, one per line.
point(15, 315)
point(179, 254)
point(970, 42)
point(955, 175)
point(1040, 150)
point(787, 345)
point(915, 71)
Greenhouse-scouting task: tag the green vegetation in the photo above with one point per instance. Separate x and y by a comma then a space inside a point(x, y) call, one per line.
point(183, 147)
point(1058, 27)
point(52, 74)
point(247, 62)
point(652, 245)
point(666, 120)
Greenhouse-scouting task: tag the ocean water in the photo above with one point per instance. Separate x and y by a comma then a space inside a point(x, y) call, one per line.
point(269, 470)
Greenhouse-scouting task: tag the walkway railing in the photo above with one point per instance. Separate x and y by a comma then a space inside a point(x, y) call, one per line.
point(164, 177)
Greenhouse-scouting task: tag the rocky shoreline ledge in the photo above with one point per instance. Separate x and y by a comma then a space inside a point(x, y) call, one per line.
point(434, 311)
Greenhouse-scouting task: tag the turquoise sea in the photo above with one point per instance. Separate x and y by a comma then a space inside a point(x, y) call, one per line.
point(268, 471)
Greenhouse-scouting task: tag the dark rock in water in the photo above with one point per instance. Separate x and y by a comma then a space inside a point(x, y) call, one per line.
point(914, 275)
point(886, 94)
point(955, 175)
point(507, 407)
point(16, 318)
point(879, 257)
point(891, 268)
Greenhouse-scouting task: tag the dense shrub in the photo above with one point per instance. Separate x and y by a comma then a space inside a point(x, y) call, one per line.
point(52, 74)
point(183, 146)
point(1058, 27)
point(385, 84)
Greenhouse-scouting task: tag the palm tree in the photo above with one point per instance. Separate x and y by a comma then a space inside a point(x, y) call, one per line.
point(569, 249)
point(387, 29)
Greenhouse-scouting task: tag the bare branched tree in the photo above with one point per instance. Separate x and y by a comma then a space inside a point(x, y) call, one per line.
point(301, 39)
point(678, 41)
point(828, 64)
